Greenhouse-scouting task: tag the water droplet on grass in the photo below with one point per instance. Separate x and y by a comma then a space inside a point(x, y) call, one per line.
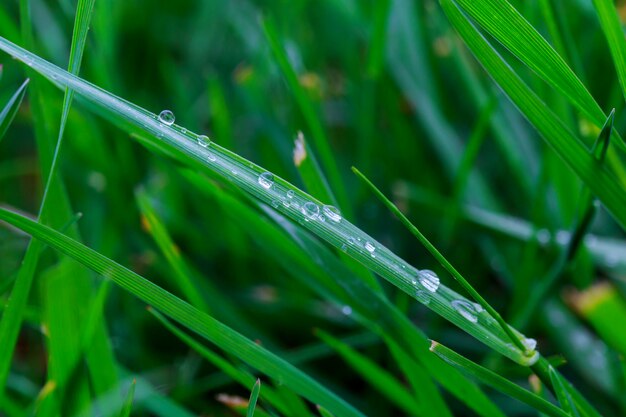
point(167, 117)
point(310, 210)
point(266, 180)
point(370, 248)
point(211, 157)
point(428, 279)
point(203, 141)
point(466, 309)
point(346, 310)
point(351, 240)
point(332, 213)
point(290, 194)
point(529, 343)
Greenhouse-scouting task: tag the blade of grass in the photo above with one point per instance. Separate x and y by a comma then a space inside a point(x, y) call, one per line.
point(597, 177)
point(199, 322)
point(10, 109)
point(614, 33)
point(302, 207)
point(447, 265)
point(495, 381)
point(254, 395)
point(562, 394)
point(128, 403)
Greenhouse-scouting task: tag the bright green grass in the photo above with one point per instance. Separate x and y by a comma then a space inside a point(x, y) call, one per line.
point(477, 120)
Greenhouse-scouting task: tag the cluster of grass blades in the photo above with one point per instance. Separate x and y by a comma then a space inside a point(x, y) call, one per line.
point(333, 264)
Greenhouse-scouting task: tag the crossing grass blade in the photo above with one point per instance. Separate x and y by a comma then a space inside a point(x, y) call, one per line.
point(185, 314)
point(254, 395)
point(10, 109)
point(128, 403)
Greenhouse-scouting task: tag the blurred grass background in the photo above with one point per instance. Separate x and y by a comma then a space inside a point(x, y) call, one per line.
point(398, 96)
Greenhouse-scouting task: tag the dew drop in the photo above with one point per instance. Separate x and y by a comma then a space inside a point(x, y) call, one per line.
point(321, 218)
point(351, 240)
point(428, 279)
point(211, 157)
point(344, 247)
point(346, 310)
point(529, 344)
point(167, 117)
point(275, 203)
point(310, 210)
point(183, 131)
point(286, 203)
point(266, 180)
point(466, 309)
point(290, 194)
point(332, 213)
point(203, 141)
point(370, 248)
point(543, 236)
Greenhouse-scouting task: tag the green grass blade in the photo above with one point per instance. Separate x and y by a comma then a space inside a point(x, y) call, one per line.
point(254, 395)
point(201, 323)
point(527, 44)
point(447, 265)
point(10, 109)
point(597, 177)
point(562, 394)
point(286, 199)
point(312, 176)
point(128, 403)
point(614, 33)
point(375, 375)
point(495, 381)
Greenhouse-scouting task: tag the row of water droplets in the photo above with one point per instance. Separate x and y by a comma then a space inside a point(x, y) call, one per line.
point(424, 285)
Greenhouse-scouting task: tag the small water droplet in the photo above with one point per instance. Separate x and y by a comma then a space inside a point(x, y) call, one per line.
point(428, 279)
point(351, 240)
point(321, 218)
point(211, 157)
point(290, 194)
point(203, 141)
point(286, 203)
point(167, 117)
point(562, 237)
point(346, 310)
point(332, 213)
point(344, 247)
point(310, 210)
point(266, 180)
point(370, 248)
point(275, 203)
point(183, 131)
point(466, 309)
point(543, 236)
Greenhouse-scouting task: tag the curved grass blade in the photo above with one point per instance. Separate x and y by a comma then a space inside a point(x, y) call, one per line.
point(254, 395)
point(185, 314)
point(495, 381)
point(614, 33)
point(286, 199)
point(10, 109)
point(597, 177)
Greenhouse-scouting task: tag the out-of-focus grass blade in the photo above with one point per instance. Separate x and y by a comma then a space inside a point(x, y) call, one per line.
point(495, 381)
point(128, 403)
point(242, 377)
point(603, 307)
point(527, 44)
point(562, 394)
point(614, 33)
point(201, 323)
point(10, 109)
point(310, 171)
point(378, 377)
point(324, 412)
point(254, 395)
point(182, 274)
point(597, 177)
point(320, 139)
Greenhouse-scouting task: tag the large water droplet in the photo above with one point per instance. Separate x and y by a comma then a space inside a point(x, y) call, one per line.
point(428, 279)
point(266, 180)
point(203, 141)
point(167, 117)
point(529, 344)
point(310, 210)
point(370, 248)
point(332, 213)
point(466, 309)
